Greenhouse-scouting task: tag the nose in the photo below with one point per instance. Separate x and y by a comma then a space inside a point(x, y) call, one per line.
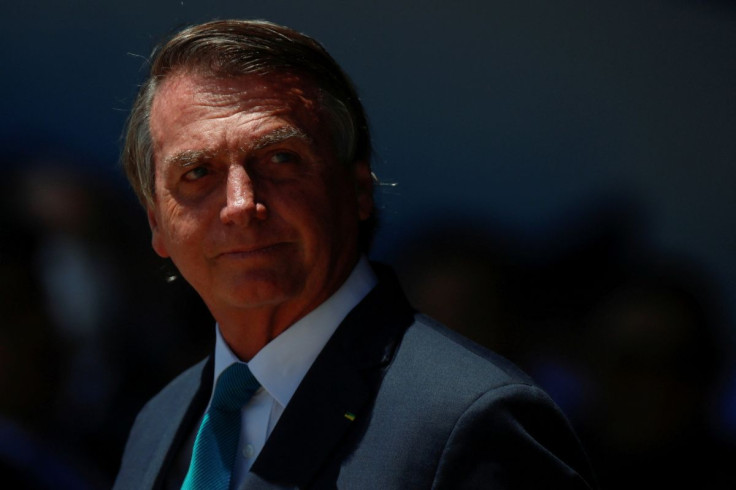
point(242, 204)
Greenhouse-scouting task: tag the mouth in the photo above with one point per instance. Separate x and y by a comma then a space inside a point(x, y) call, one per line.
point(251, 251)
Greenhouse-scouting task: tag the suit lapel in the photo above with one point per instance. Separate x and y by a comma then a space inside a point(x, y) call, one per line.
point(336, 390)
point(181, 413)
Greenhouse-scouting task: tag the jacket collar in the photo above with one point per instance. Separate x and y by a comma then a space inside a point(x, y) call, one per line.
point(338, 388)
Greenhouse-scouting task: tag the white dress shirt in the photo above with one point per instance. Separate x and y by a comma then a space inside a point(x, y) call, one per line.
point(281, 365)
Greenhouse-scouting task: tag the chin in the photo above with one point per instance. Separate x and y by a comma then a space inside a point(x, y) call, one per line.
point(257, 291)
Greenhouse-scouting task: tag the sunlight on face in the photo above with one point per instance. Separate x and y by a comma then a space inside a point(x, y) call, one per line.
point(250, 201)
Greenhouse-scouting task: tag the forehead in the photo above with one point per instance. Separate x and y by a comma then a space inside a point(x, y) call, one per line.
point(185, 97)
point(191, 82)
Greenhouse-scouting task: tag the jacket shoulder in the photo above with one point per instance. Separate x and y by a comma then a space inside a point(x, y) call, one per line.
point(180, 389)
point(463, 416)
point(157, 428)
point(456, 360)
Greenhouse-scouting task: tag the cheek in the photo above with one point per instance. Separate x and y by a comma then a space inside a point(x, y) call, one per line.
point(330, 220)
point(180, 228)
point(305, 211)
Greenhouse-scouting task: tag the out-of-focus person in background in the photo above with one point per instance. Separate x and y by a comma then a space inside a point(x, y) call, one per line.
point(70, 366)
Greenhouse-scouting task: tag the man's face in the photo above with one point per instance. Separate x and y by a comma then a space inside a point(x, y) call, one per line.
point(250, 202)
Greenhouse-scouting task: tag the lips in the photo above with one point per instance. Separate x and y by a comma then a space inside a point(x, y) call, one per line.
point(251, 250)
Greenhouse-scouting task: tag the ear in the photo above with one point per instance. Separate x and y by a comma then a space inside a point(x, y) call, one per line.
point(364, 189)
point(157, 240)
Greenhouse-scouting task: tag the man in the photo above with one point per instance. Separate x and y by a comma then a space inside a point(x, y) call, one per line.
point(249, 148)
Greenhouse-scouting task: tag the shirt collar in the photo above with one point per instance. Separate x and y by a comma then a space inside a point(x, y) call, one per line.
point(281, 365)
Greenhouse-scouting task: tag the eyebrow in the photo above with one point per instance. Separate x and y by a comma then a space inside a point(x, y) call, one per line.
point(279, 135)
point(187, 158)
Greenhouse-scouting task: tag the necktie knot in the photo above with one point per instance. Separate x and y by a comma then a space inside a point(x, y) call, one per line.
point(235, 386)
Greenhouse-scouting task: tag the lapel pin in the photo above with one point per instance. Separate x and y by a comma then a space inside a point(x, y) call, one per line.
point(350, 416)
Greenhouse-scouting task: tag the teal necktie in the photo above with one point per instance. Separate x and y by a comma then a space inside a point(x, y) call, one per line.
point(217, 439)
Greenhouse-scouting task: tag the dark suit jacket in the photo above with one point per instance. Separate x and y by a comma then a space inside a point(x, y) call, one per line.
point(431, 410)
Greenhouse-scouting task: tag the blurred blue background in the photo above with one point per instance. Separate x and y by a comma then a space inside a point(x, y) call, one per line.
point(559, 185)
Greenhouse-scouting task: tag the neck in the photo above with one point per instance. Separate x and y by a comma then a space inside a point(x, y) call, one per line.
point(247, 330)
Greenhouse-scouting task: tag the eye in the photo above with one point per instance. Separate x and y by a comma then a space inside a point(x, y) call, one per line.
point(283, 157)
point(196, 174)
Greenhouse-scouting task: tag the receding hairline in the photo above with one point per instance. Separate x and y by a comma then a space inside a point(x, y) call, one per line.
point(211, 51)
point(300, 88)
point(230, 47)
